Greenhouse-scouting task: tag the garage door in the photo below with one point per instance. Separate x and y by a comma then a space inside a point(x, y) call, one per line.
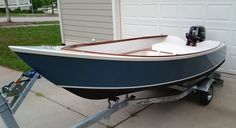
point(174, 17)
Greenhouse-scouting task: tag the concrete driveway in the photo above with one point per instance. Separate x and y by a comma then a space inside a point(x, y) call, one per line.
point(31, 19)
point(49, 106)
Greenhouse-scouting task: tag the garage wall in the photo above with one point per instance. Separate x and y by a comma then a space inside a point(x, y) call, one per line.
point(174, 17)
point(85, 20)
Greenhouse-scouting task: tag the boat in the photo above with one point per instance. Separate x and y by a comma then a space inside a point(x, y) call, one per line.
point(101, 70)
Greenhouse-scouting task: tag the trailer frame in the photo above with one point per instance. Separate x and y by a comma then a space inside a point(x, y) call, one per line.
point(20, 88)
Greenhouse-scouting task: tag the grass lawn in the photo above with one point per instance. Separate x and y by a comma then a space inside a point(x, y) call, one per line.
point(46, 22)
point(5, 24)
point(26, 14)
point(41, 35)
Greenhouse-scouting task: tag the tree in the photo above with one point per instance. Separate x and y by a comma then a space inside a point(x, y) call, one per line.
point(52, 7)
point(7, 11)
point(54, 2)
point(49, 3)
point(46, 2)
point(37, 4)
point(43, 3)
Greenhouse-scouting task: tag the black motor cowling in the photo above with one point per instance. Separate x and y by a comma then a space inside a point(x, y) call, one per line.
point(196, 34)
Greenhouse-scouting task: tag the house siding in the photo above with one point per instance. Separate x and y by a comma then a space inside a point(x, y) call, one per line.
point(85, 20)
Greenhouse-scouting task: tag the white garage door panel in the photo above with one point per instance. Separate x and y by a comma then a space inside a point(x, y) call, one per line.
point(189, 11)
point(174, 17)
point(219, 12)
point(165, 13)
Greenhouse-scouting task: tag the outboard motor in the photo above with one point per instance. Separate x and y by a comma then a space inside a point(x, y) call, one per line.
point(196, 34)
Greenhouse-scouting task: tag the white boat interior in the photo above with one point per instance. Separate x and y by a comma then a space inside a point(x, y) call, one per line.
point(147, 46)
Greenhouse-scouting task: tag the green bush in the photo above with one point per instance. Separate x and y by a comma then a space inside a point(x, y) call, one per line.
point(39, 11)
point(3, 10)
point(25, 11)
point(15, 10)
point(18, 11)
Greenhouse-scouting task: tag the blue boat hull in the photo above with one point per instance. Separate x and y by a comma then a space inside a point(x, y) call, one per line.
point(100, 79)
point(110, 93)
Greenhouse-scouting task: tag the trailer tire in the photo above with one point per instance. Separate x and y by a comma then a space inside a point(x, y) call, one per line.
point(206, 97)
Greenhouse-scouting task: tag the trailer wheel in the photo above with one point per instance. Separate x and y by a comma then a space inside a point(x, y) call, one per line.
point(206, 97)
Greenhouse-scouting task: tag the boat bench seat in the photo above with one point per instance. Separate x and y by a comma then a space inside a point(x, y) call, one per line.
point(182, 48)
point(167, 48)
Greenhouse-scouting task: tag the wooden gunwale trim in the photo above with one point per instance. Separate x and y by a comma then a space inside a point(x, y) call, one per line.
point(127, 55)
point(109, 42)
point(70, 48)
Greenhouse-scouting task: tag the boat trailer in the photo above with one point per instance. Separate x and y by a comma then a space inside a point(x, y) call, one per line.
point(17, 91)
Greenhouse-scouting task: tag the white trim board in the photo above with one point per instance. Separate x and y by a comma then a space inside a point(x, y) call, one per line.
point(60, 20)
point(116, 19)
